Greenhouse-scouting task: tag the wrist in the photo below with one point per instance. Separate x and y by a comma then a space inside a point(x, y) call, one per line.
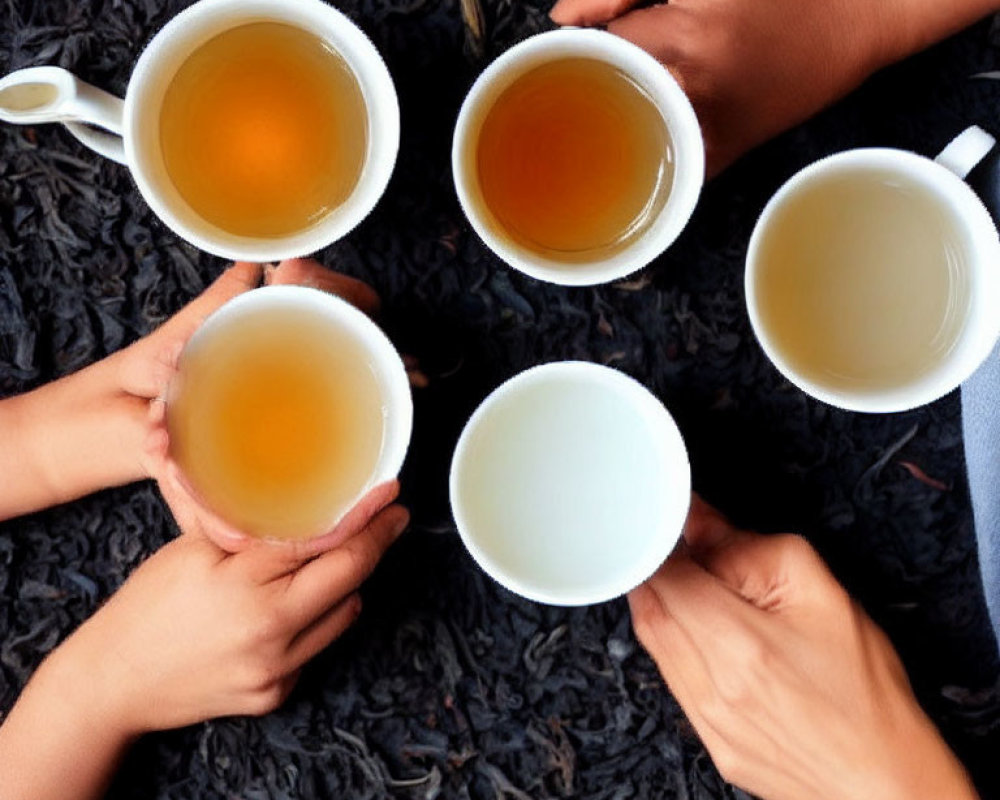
point(922, 768)
point(80, 434)
point(59, 739)
point(112, 426)
point(93, 702)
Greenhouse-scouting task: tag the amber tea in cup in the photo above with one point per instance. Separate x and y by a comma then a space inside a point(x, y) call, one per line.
point(263, 129)
point(577, 157)
point(257, 130)
point(573, 158)
point(288, 405)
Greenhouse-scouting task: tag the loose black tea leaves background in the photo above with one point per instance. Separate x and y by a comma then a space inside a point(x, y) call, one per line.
point(449, 686)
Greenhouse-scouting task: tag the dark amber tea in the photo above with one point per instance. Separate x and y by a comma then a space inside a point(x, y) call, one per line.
point(263, 130)
point(573, 159)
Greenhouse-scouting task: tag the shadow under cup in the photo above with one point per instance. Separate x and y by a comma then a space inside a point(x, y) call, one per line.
point(288, 406)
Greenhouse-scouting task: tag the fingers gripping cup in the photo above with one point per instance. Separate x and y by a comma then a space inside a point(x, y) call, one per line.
point(570, 484)
point(258, 130)
point(289, 405)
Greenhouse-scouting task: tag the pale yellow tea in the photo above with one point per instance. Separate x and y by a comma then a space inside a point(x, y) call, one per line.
point(573, 159)
point(863, 282)
point(276, 419)
point(263, 130)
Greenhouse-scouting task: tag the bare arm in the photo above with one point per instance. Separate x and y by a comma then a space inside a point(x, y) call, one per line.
point(921, 23)
point(86, 431)
point(194, 633)
point(67, 439)
point(754, 68)
point(62, 738)
point(794, 690)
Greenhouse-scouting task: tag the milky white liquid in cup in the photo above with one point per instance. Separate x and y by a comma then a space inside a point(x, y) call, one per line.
point(570, 490)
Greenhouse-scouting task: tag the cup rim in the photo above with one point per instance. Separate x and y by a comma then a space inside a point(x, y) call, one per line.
point(676, 497)
point(381, 103)
point(980, 328)
point(674, 107)
point(392, 377)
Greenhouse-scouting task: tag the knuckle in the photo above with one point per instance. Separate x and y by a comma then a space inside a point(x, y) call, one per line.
point(361, 559)
point(726, 762)
point(731, 686)
point(642, 624)
point(649, 621)
point(796, 549)
point(268, 624)
point(738, 684)
point(754, 653)
point(265, 700)
point(241, 275)
point(262, 674)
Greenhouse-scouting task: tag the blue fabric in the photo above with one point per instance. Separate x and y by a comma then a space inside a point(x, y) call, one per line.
point(981, 426)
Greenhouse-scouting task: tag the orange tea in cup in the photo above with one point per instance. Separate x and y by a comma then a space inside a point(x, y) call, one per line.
point(277, 418)
point(573, 158)
point(263, 129)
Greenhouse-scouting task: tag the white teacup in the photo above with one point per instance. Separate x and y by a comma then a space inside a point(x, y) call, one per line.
point(344, 325)
point(129, 129)
point(678, 116)
point(570, 484)
point(942, 181)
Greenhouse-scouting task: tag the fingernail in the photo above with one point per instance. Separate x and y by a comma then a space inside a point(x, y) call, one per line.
point(269, 270)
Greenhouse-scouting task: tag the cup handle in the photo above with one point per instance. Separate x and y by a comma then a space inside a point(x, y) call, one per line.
point(974, 156)
point(966, 150)
point(40, 95)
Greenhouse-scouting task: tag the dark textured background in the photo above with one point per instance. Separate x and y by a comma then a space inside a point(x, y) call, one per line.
point(449, 686)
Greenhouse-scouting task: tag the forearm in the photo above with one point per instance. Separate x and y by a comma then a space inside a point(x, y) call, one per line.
point(67, 439)
point(59, 742)
point(910, 26)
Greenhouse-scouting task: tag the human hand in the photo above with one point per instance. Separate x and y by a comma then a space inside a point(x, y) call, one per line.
point(754, 68)
point(50, 438)
point(192, 516)
point(194, 633)
point(144, 369)
point(197, 633)
point(791, 686)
